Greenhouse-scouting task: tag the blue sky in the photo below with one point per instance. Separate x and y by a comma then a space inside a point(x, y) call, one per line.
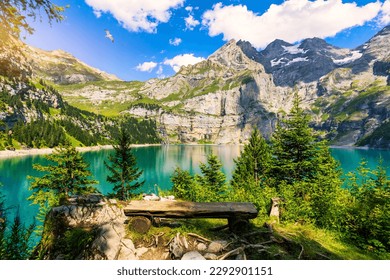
point(153, 38)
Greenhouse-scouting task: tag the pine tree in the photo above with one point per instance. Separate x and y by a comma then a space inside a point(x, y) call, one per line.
point(367, 221)
point(123, 168)
point(294, 146)
point(213, 180)
point(67, 175)
point(183, 185)
point(253, 163)
point(304, 172)
point(17, 243)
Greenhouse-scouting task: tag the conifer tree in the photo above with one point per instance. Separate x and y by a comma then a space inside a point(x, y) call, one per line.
point(17, 243)
point(294, 146)
point(213, 180)
point(304, 172)
point(253, 163)
point(123, 168)
point(67, 175)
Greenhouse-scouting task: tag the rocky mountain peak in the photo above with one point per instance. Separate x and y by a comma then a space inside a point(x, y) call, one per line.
point(315, 44)
point(231, 55)
point(249, 50)
point(62, 67)
point(378, 46)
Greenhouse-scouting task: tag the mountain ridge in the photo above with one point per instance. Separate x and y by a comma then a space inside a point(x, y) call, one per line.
point(220, 100)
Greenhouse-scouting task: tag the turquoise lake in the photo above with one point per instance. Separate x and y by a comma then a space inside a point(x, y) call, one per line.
point(157, 163)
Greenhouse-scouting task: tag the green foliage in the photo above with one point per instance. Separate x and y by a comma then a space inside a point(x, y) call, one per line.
point(253, 163)
point(3, 219)
point(307, 177)
point(250, 176)
point(39, 134)
point(14, 245)
point(210, 186)
point(367, 221)
point(17, 246)
point(183, 185)
point(75, 241)
point(123, 168)
point(294, 146)
point(67, 175)
point(213, 180)
point(80, 134)
point(380, 137)
point(142, 131)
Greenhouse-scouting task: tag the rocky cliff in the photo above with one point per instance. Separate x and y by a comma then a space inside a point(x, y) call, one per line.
point(220, 99)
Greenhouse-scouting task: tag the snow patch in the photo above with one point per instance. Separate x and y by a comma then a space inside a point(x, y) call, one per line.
point(298, 59)
point(275, 62)
point(354, 55)
point(294, 49)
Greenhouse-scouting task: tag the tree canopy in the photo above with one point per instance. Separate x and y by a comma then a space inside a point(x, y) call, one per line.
point(67, 175)
point(122, 165)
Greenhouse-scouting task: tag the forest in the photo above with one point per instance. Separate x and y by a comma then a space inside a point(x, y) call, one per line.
point(295, 167)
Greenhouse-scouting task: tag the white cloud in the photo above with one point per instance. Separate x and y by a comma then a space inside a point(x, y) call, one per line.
point(385, 15)
point(175, 42)
point(146, 66)
point(189, 9)
point(97, 14)
point(183, 60)
point(191, 22)
point(159, 70)
point(136, 15)
point(291, 21)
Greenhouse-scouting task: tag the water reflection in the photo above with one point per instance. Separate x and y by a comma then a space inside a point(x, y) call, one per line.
point(158, 164)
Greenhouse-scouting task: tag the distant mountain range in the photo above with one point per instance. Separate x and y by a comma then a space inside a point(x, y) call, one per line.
point(221, 99)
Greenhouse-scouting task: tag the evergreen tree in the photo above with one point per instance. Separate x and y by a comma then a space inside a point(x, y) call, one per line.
point(250, 176)
point(123, 168)
point(17, 245)
point(183, 185)
point(253, 163)
point(67, 175)
point(213, 180)
point(367, 222)
point(294, 146)
point(304, 172)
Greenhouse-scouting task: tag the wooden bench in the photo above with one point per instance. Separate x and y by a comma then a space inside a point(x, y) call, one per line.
point(237, 213)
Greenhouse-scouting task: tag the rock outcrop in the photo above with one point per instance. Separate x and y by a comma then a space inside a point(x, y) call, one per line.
point(98, 225)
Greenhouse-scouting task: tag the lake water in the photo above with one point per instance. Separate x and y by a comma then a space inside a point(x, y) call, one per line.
point(158, 164)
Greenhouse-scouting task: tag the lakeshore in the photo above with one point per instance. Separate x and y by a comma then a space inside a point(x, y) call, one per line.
point(44, 151)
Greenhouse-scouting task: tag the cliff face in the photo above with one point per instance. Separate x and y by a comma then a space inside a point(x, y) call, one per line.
point(220, 99)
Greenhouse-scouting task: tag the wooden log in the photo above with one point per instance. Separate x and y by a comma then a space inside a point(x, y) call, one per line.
point(183, 209)
point(140, 224)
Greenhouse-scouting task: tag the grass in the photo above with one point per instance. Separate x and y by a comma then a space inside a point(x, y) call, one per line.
point(293, 241)
point(314, 239)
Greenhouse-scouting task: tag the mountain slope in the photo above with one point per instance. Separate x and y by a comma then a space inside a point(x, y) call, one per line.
point(61, 67)
point(220, 100)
